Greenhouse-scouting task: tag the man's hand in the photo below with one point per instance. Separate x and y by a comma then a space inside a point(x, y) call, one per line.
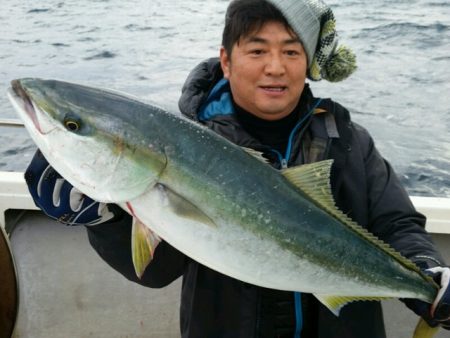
point(60, 200)
point(437, 313)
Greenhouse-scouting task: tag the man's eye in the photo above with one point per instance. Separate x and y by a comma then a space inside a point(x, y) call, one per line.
point(292, 53)
point(256, 51)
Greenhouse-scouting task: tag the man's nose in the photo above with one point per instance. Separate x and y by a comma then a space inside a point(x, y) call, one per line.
point(275, 65)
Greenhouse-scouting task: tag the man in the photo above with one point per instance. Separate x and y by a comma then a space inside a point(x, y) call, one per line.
point(256, 96)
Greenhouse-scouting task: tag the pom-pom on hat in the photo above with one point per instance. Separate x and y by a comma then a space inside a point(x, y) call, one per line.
point(313, 21)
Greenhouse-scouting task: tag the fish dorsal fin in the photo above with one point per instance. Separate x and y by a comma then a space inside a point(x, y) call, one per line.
point(314, 180)
point(336, 303)
point(256, 154)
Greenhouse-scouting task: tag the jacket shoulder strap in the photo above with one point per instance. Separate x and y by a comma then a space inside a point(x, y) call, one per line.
point(322, 129)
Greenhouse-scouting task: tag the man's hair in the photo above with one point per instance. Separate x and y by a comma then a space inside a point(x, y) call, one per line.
point(244, 17)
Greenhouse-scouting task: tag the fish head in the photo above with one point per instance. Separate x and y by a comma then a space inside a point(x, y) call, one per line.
point(90, 136)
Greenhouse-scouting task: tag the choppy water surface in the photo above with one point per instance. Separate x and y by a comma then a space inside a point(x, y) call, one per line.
point(400, 92)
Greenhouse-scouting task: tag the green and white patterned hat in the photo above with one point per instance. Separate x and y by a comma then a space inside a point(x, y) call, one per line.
point(313, 21)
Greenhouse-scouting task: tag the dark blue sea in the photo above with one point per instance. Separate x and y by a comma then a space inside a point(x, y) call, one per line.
point(401, 91)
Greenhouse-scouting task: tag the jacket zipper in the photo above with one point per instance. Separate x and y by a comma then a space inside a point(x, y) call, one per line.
point(284, 160)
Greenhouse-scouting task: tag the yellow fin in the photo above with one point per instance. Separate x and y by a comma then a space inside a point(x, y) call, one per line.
point(143, 245)
point(184, 208)
point(336, 303)
point(314, 180)
point(423, 330)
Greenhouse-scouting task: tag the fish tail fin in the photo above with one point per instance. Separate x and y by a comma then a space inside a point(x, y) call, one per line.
point(423, 330)
point(336, 303)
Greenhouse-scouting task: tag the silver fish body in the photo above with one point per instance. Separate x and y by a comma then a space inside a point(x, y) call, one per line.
point(209, 198)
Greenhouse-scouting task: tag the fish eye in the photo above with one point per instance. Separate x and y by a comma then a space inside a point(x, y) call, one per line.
point(72, 125)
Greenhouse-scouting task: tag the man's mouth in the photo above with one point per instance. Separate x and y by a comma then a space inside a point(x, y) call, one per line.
point(274, 89)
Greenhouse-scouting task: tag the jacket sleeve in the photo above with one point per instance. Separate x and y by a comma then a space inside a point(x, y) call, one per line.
point(392, 216)
point(112, 241)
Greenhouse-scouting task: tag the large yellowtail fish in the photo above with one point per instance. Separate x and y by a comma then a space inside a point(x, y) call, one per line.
point(214, 201)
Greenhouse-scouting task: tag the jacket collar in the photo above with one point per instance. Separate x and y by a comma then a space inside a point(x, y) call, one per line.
point(198, 85)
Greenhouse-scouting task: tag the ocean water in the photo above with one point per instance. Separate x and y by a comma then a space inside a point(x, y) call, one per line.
point(400, 93)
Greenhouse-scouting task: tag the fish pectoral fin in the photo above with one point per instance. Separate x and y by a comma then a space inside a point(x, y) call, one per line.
point(143, 245)
point(336, 303)
point(184, 208)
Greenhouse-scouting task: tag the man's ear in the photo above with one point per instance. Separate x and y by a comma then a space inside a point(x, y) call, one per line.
point(225, 62)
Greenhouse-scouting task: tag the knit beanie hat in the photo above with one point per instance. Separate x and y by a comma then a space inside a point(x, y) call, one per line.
point(314, 23)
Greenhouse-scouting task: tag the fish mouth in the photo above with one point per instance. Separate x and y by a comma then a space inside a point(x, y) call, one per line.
point(20, 97)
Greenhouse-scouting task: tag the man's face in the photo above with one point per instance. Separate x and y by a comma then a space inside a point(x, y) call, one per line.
point(267, 71)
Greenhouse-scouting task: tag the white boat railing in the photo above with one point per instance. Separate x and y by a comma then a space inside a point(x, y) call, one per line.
point(14, 194)
point(10, 123)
